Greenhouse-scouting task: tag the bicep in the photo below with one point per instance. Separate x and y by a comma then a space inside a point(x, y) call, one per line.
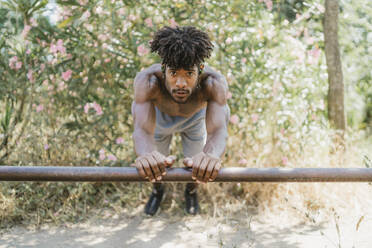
point(144, 116)
point(217, 117)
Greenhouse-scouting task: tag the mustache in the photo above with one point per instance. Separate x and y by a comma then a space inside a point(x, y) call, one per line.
point(174, 91)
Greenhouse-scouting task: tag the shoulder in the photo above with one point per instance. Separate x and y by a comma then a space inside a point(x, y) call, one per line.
point(146, 87)
point(215, 86)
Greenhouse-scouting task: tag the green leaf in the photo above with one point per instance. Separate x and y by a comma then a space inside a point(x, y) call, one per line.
point(66, 22)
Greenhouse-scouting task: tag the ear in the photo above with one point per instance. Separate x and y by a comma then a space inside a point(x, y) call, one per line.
point(163, 67)
point(201, 68)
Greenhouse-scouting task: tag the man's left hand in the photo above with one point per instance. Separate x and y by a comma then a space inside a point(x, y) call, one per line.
point(204, 167)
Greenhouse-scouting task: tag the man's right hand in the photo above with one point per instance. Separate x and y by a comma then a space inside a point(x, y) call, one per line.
point(152, 165)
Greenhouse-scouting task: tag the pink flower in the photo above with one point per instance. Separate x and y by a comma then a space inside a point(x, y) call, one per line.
point(173, 23)
point(66, 75)
point(94, 105)
point(142, 50)
point(148, 22)
point(53, 48)
point(234, 119)
point(13, 62)
point(62, 86)
point(86, 108)
point(85, 80)
point(60, 46)
point(254, 118)
point(111, 157)
point(282, 131)
point(13, 59)
point(132, 17)
point(18, 65)
point(244, 60)
point(33, 22)
point(30, 76)
point(284, 160)
point(119, 140)
point(86, 14)
point(229, 95)
point(97, 108)
point(28, 51)
point(102, 156)
point(46, 147)
point(314, 53)
point(243, 161)
point(25, 31)
point(107, 60)
point(269, 4)
point(121, 11)
point(39, 108)
point(229, 40)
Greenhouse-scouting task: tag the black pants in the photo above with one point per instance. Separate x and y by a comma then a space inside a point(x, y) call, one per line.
point(190, 187)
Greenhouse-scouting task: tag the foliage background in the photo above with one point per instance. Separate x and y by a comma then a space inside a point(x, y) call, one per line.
point(66, 74)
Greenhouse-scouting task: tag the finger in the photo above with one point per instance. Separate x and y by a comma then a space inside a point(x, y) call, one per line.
point(202, 167)
point(170, 160)
point(148, 170)
point(215, 171)
point(195, 167)
point(154, 166)
point(188, 162)
point(140, 170)
point(161, 163)
point(209, 170)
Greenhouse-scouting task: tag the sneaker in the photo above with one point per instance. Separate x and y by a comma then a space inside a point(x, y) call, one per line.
point(154, 202)
point(191, 202)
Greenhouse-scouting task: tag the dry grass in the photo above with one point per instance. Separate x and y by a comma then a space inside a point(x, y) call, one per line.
point(34, 203)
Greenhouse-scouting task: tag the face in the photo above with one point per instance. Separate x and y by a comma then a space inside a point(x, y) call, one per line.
point(181, 83)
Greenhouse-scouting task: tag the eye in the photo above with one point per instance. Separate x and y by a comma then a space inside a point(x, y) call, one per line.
point(190, 73)
point(173, 73)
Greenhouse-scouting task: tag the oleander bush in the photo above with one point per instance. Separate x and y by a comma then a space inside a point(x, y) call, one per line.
point(66, 74)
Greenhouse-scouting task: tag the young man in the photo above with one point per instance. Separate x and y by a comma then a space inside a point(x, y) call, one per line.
point(184, 96)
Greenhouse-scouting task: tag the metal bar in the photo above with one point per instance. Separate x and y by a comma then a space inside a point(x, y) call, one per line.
point(230, 174)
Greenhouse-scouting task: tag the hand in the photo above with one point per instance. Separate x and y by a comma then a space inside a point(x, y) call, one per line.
point(204, 167)
point(152, 165)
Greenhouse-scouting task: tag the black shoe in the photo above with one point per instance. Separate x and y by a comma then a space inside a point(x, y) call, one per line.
point(154, 202)
point(191, 202)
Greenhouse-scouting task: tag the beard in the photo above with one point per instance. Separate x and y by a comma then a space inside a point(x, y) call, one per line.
point(181, 96)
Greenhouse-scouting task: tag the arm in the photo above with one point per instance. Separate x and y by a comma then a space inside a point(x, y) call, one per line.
point(150, 163)
point(207, 163)
point(216, 129)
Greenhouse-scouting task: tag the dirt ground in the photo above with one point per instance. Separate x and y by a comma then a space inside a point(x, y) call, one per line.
point(166, 230)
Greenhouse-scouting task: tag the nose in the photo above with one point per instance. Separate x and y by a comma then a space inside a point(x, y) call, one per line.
point(181, 83)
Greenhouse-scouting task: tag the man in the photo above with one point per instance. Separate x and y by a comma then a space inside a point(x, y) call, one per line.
point(184, 96)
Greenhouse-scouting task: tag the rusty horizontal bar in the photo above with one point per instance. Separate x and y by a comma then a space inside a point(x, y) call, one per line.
point(230, 174)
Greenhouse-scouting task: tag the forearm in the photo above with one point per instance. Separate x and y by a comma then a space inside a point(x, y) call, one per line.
point(143, 142)
point(216, 143)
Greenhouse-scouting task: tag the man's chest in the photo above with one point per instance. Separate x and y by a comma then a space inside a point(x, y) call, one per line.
point(172, 108)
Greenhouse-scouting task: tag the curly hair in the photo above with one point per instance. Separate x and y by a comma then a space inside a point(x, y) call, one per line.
point(181, 47)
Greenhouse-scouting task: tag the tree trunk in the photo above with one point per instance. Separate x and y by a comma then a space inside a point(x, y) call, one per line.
point(336, 113)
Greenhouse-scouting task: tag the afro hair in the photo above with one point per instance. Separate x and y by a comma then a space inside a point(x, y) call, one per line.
point(181, 47)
